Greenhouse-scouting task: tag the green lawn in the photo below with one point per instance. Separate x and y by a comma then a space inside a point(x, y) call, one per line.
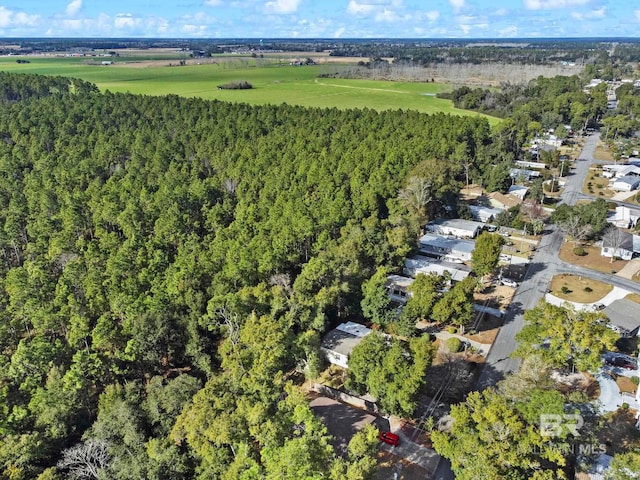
point(272, 84)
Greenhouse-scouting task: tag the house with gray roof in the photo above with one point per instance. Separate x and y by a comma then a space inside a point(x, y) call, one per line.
point(456, 227)
point(338, 344)
point(446, 248)
point(623, 315)
point(426, 265)
point(627, 183)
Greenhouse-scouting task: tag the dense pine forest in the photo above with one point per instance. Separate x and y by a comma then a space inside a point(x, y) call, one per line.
point(168, 266)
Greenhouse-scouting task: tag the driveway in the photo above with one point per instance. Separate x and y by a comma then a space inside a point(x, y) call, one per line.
point(412, 452)
point(342, 421)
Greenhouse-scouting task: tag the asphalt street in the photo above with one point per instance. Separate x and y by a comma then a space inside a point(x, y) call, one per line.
point(544, 265)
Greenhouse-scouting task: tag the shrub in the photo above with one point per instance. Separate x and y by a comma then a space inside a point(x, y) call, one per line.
point(451, 329)
point(624, 406)
point(588, 289)
point(241, 85)
point(635, 380)
point(579, 251)
point(453, 344)
point(565, 290)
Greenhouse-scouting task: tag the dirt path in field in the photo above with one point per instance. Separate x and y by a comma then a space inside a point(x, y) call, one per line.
point(363, 88)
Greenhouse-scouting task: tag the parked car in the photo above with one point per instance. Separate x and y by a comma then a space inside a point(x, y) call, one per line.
point(509, 283)
point(622, 363)
point(389, 438)
point(599, 306)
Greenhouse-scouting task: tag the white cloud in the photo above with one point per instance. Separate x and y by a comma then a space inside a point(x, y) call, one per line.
point(12, 19)
point(637, 14)
point(74, 7)
point(465, 28)
point(432, 15)
point(551, 4)
point(338, 33)
point(387, 15)
point(501, 12)
point(511, 31)
point(282, 6)
point(457, 5)
point(125, 20)
point(213, 3)
point(600, 13)
point(355, 8)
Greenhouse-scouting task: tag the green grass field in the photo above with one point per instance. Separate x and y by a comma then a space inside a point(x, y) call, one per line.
point(272, 84)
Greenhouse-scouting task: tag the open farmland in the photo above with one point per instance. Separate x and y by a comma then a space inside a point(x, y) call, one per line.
point(273, 83)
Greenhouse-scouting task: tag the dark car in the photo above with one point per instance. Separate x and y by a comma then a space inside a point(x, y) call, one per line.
point(389, 438)
point(622, 363)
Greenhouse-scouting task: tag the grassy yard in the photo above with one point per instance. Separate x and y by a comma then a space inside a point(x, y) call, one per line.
point(273, 83)
point(634, 297)
point(603, 153)
point(578, 289)
point(596, 184)
point(592, 259)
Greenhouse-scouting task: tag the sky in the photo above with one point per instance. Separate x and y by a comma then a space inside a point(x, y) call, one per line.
point(320, 18)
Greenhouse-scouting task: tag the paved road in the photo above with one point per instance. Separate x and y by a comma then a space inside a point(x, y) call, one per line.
point(544, 265)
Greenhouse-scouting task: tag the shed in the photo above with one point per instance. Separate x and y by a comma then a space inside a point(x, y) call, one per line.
point(455, 227)
point(446, 248)
point(338, 344)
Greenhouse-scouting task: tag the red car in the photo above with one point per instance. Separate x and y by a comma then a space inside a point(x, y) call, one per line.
point(390, 438)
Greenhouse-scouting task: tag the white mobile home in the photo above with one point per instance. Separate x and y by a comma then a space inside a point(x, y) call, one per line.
point(338, 344)
point(456, 227)
point(446, 248)
point(398, 288)
point(419, 264)
point(626, 184)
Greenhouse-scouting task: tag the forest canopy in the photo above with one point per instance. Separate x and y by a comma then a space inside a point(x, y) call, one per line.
point(145, 240)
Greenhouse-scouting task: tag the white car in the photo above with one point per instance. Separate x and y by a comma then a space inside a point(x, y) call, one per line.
point(509, 283)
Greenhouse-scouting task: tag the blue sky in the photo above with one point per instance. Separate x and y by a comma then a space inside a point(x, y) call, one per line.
point(320, 18)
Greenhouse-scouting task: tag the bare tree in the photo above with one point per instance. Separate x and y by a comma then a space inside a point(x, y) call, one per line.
point(85, 460)
point(614, 238)
point(282, 280)
point(574, 227)
point(231, 320)
point(230, 185)
point(416, 195)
